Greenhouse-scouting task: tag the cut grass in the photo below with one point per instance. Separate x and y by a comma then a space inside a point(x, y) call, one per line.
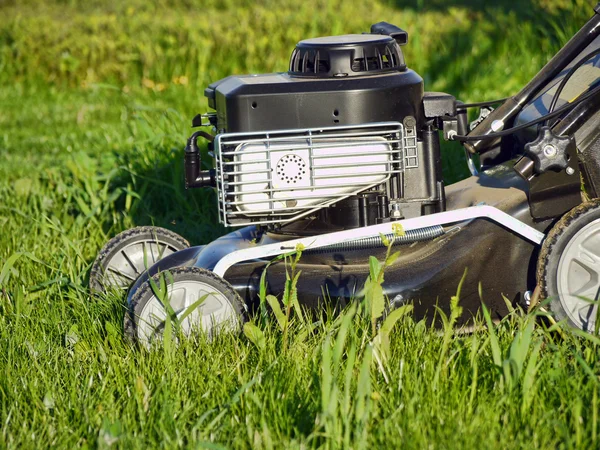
point(95, 103)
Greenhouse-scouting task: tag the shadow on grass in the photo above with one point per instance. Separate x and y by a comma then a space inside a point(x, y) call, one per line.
point(160, 197)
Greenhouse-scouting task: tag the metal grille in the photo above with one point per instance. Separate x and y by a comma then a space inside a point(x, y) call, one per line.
point(409, 143)
point(280, 176)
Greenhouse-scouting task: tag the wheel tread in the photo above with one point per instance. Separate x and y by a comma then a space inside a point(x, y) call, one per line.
point(99, 265)
point(549, 248)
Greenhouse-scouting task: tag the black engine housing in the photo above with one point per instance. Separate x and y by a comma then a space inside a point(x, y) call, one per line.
point(347, 80)
point(340, 80)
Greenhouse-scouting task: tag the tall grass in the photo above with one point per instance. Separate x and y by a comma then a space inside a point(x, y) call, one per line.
point(69, 379)
point(95, 102)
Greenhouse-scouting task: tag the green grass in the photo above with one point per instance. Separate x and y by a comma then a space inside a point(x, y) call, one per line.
point(95, 103)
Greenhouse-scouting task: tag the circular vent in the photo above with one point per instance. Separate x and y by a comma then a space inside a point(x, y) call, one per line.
point(291, 168)
point(346, 56)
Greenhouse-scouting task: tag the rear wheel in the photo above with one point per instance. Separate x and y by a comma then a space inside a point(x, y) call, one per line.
point(569, 266)
point(129, 254)
point(216, 306)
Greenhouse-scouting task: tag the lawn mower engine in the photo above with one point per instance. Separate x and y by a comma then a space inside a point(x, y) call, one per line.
point(341, 140)
point(339, 157)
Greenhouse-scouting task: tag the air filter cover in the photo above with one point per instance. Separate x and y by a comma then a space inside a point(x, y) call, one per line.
point(346, 56)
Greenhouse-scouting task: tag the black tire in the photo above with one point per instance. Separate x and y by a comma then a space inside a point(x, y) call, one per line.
point(102, 277)
point(549, 261)
point(145, 294)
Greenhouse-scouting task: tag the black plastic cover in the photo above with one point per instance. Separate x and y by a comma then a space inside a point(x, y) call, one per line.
point(349, 55)
point(438, 104)
point(280, 101)
point(388, 29)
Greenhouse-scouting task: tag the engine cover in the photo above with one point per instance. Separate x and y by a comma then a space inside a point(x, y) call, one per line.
point(277, 177)
point(340, 80)
point(285, 168)
point(341, 139)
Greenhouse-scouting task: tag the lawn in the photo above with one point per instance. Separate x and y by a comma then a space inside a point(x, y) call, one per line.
point(96, 99)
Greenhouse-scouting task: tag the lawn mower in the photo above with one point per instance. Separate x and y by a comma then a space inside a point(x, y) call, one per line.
point(341, 154)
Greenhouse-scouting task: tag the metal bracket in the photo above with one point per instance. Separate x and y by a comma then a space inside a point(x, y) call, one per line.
point(198, 120)
point(552, 193)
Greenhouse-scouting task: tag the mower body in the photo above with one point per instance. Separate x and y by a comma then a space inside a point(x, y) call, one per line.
point(348, 139)
point(492, 259)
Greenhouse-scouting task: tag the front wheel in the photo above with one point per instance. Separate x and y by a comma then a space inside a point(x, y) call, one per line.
point(215, 305)
point(569, 266)
point(129, 254)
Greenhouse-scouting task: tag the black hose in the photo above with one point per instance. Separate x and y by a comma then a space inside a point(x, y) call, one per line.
point(558, 112)
point(568, 76)
point(194, 177)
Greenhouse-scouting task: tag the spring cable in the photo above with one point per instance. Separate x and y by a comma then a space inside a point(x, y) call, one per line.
point(409, 237)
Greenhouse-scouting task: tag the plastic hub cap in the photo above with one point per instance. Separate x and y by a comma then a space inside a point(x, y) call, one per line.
point(578, 280)
point(127, 265)
point(214, 311)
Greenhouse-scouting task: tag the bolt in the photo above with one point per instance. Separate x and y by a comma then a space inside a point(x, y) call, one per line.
point(397, 301)
point(451, 134)
point(549, 151)
point(570, 171)
point(497, 125)
point(527, 298)
point(410, 122)
point(396, 212)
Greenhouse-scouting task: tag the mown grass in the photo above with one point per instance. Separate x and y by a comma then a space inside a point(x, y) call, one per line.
point(95, 103)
